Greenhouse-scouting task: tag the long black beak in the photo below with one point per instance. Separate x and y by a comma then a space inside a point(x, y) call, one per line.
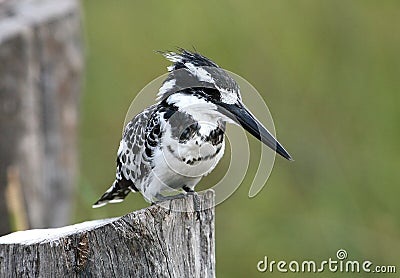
point(241, 115)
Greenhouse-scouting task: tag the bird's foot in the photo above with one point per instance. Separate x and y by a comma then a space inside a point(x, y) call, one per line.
point(162, 198)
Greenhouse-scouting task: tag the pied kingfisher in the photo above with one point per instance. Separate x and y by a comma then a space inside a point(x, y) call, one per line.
point(172, 144)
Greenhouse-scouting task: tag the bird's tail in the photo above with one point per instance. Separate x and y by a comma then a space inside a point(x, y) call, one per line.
point(114, 194)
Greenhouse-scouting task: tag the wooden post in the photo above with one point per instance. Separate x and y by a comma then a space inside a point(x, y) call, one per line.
point(152, 242)
point(41, 66)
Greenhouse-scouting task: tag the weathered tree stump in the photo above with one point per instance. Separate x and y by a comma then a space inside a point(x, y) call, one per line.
point(159, 241)
point(41, 64)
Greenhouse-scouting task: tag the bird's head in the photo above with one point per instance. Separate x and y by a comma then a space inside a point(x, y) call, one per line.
point(197, 85)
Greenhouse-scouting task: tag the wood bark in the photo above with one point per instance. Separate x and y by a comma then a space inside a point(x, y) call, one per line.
point(41, 65)
point(159, 241)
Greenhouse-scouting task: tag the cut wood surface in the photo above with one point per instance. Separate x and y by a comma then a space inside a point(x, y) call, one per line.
point(163, 240)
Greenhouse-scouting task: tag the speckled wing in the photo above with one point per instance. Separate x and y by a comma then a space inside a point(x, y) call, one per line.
point(140, 138)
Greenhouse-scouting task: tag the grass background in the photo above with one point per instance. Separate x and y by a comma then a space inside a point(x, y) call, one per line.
point(330, 73)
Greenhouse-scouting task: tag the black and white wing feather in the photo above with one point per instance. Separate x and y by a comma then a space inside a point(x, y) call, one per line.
point(140, 139)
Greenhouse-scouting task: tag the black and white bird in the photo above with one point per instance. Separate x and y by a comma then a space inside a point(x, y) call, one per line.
point(172, 144)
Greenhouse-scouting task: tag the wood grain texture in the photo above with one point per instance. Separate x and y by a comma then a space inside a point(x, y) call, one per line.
point(41, 65)
point(159, 241)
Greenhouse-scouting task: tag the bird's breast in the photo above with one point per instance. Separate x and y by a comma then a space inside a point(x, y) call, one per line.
point(195, 152)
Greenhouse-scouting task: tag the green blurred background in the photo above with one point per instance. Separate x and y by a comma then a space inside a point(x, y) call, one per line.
point(330, 73)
